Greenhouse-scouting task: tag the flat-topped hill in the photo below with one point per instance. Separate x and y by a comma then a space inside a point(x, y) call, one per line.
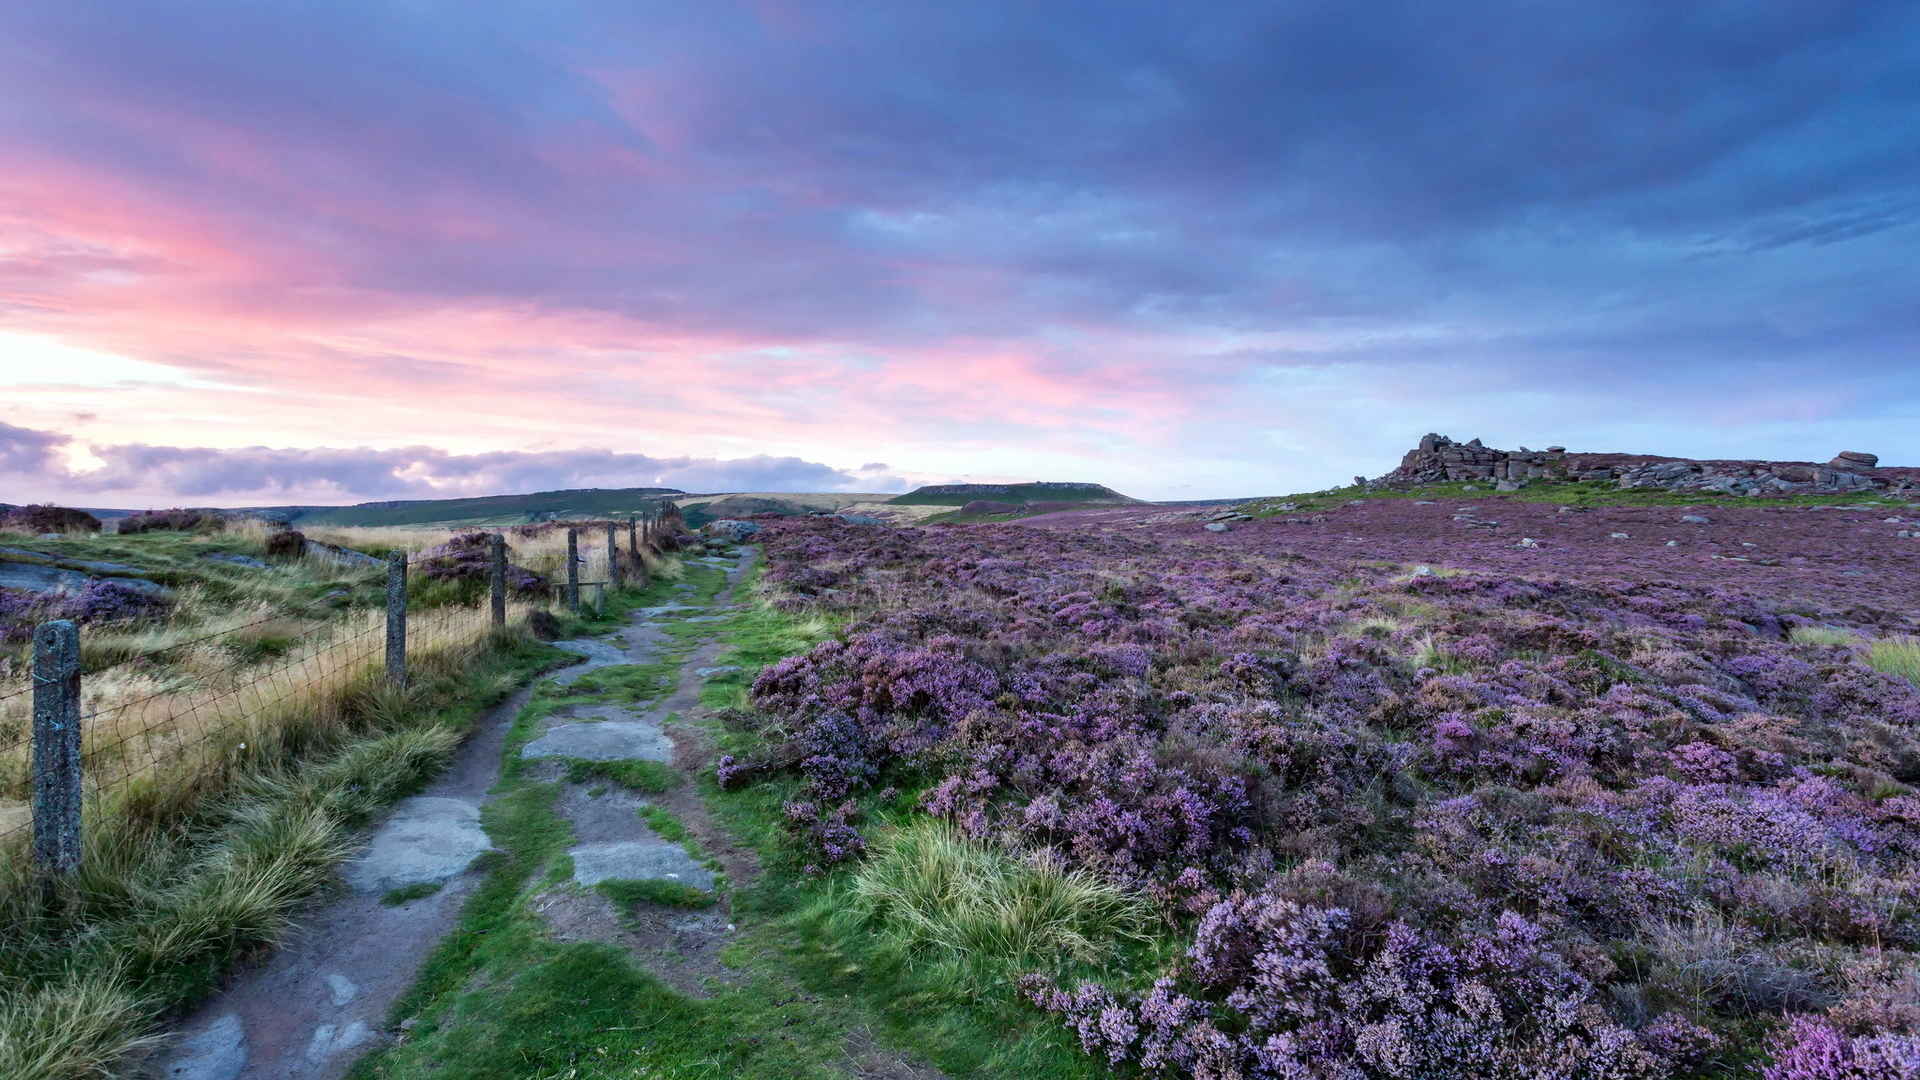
point(1046, 491)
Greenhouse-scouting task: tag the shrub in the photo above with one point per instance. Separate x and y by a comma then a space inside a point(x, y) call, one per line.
point(49, 519)
point(286, 544)
point(175, 520)
point(466, 561)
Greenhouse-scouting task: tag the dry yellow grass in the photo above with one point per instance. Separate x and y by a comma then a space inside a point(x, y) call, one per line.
point(156, 734)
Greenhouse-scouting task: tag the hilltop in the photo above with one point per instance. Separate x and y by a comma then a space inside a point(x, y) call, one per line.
point(1031, 495)
point(480, 510)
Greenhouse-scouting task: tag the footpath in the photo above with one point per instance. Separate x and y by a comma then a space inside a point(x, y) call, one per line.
point(322, 1000)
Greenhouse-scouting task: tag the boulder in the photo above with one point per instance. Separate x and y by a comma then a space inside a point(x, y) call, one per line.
point(1854, 459)
point(732, 529)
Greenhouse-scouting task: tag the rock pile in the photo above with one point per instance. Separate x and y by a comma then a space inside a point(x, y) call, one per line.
point(1439, 458)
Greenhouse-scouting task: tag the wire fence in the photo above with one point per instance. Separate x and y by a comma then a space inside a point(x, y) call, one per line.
point(148, 717)
point(187, 710)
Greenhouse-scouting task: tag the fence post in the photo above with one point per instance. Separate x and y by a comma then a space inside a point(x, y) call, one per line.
point(573, 570)
point(397, 618)
point(614, 573)
point(56, 747)
point(499, 580)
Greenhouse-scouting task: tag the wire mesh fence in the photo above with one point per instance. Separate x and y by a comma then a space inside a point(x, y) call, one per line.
point(186, 711)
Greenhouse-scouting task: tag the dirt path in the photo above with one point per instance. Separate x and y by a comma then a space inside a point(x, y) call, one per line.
point(320, 1002)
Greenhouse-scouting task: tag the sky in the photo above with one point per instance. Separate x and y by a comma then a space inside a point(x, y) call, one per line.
point(337, 250)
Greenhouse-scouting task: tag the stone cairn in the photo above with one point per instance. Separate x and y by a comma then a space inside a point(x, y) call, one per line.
point(1439, 458)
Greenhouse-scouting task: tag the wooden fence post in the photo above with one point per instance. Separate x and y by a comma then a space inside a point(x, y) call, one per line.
point(573, 570)
point(57, 788)
point(499, 581)
point(614, 574)
point(397, 618)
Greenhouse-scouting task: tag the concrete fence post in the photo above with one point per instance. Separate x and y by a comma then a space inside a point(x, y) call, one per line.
point(56, 747)
point(498, 580)
point(573, 570)
point(614, 574)
point(397, 618)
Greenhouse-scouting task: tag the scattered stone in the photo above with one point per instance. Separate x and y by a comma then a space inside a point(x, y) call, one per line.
point(216, 1052)
point(1423, 571)
point(638, 860)
point(329, 1040)
point(427, 840)
point(732, 529)
point(1695, 519)
point(716, 672)
point(1215, 526)
point(1509, 485)
point(1673, 543)
point(1527, 542)
point(341, 990)
point(613, 740)
point(860, 519)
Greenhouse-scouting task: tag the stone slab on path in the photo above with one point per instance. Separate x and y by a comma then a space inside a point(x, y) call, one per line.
point(607, 740)
point(599, 654)
point(638, 860)
point(218, 1051)
point(33, 577)
point(427, 840)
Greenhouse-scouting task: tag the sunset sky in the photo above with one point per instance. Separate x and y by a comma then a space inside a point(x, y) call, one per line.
point(332, 251)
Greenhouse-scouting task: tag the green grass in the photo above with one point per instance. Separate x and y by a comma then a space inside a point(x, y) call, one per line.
point(406, 894)
point(1896, 656)
point(1822, 635)
point(161, 910)
point(652, 777)
point(1562, 492)
point(932, 890)
point(655, 891)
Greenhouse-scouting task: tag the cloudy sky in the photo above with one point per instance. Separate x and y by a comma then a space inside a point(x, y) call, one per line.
point(327, 251)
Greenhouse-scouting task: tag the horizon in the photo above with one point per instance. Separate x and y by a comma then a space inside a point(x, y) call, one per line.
point(372, 253)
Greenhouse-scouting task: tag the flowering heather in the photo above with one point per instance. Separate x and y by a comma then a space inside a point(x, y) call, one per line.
point(100, 601)
point(1582, 809)
point(468, 558)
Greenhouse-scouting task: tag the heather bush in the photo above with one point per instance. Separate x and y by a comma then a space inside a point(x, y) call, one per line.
point(48, 519)
point(1575, 810)
point(460, 571)
point(175, 520)
point(99, 601)
point(286, 544)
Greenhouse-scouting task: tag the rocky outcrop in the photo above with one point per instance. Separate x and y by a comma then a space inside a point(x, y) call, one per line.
point(1439, 458)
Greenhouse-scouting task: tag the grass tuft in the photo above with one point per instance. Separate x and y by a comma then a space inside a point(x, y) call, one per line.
point(1821, 635)
point(1897, 656)
point(651, 777)
point(406, 894)
point(655, 891)
point(933, 890)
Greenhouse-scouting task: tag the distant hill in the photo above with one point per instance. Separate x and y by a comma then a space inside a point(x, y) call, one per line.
point(485, 509)
point(1014, 494)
